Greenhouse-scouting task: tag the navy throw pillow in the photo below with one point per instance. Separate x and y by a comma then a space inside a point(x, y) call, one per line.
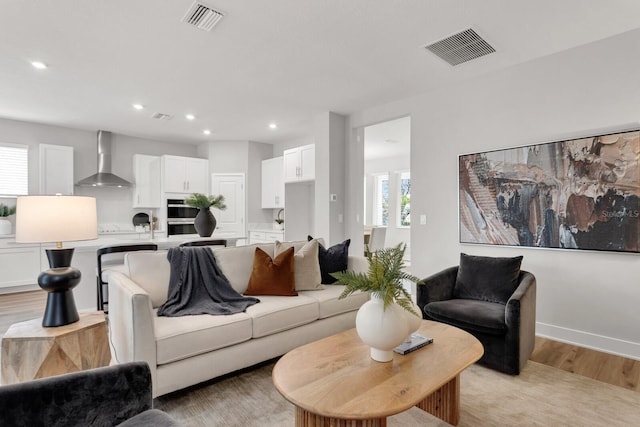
point(487, 278)
point(332, 260)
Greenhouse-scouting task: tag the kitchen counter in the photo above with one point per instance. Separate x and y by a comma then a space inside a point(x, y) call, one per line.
point(84, 259)
point(267, 230)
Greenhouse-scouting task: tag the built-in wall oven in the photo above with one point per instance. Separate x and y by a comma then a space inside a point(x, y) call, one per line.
point(180, 217)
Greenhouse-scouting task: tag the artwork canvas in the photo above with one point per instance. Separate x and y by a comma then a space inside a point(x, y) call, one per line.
point(574, 194)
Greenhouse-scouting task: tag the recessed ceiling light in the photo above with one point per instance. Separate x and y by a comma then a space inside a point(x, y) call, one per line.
point(190, 117)
point(206, 132)
point(138, 106)
point(273, 126)
point(39, 65)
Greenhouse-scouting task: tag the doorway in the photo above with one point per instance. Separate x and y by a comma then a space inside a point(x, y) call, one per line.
point(387, 188)
point(231, 221)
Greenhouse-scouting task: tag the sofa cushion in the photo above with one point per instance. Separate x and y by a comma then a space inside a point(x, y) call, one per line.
point(151, 271)
point(277, 313)
point(305, 265)
point(471, 315)
point(330, 303)
point(237, 263)
point(487, 278)
point(181, 337)
point(272, 276)
point(332, 260)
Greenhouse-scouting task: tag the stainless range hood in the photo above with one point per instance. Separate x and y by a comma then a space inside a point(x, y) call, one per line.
point(104, 177)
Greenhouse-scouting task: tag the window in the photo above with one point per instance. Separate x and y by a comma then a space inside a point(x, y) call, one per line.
point(14, 170)
point(381, 200)
point(405, 199)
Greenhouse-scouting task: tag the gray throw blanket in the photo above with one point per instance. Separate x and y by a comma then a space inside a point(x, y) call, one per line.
point(198, 286)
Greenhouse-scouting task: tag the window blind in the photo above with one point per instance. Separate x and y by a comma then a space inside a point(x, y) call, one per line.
point(14, 170)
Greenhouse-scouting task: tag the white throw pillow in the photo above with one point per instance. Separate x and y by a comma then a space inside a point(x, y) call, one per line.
point(306, 266)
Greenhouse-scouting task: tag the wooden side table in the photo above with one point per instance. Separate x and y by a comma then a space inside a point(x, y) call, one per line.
point(31, 351)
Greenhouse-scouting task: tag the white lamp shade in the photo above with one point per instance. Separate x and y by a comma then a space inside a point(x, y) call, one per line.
point(41, 219)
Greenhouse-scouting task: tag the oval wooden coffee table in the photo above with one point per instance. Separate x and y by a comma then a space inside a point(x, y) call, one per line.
point(334, 382)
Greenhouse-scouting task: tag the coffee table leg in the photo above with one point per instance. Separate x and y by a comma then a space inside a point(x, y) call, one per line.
point(309, 419)
point(444, 403)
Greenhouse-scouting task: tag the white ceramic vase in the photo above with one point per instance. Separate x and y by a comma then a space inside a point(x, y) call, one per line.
point(381, 329)
point(5, 226)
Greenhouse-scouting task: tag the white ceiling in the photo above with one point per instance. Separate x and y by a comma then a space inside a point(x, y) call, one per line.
point(278, 60)
point(388, 139)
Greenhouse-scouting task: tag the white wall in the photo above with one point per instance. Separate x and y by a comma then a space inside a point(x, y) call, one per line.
point(279, 147)
point(242, 157)
point(584, 297)
point(329, 177)
point(114, 204)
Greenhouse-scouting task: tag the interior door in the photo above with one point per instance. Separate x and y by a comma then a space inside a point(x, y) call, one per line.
point(231, 221)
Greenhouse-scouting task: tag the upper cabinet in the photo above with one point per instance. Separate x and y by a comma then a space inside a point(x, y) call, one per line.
point(147, 192)
point(56, 169)
point(184, 174)
point(272, 183)
point(300, 163)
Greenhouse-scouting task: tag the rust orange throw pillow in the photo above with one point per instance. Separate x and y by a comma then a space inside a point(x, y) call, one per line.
point(272, 277)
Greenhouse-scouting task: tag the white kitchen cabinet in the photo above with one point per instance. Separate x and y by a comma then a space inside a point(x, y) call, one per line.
point(300, 163)
point(272, 183)
point(260, 236)
point(185, 174)
point(56, 169)
point(146, 171)
point(20, 264)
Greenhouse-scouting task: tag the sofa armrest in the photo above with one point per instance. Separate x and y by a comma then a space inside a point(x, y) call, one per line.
point(520, 314)
point(358, 264)
point(437, 287)
point(131, 326)
point(97, 397)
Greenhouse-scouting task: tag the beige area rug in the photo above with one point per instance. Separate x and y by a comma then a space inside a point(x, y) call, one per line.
point(540, 396)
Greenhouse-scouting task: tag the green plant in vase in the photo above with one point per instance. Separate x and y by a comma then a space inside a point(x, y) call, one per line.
point(390, 316)
point(6, 211)
point(384, 278)
point(5, 224)
point(205, 222)
point(201, 201)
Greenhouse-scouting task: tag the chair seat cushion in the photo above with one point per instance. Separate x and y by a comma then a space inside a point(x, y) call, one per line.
point(471, 315)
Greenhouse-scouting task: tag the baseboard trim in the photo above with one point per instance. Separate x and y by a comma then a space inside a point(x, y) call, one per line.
point(593, 341)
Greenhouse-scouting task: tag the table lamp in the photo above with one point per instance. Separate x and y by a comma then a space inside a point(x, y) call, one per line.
point(44, 219)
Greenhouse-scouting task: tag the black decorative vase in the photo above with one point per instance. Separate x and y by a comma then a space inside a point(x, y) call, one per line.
point(205, 222)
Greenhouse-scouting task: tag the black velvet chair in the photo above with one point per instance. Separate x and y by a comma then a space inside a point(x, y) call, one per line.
point(114, 395)
point(492, 299)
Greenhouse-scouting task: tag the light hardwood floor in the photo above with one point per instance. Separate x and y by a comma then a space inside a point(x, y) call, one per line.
point(608, 368)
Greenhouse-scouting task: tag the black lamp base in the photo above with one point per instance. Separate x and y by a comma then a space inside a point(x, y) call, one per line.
point(59, 281)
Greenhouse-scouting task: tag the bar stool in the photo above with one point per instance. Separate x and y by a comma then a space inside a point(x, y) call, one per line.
point(114, 264)
point(209, 242)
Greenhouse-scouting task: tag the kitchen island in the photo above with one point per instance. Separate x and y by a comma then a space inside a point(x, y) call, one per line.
point(22, 263)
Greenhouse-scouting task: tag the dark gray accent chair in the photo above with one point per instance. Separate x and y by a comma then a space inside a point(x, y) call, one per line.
point(118, 395)
point(503, 321)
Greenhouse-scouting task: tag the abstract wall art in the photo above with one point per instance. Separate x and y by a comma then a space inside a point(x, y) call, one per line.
point(574, 194)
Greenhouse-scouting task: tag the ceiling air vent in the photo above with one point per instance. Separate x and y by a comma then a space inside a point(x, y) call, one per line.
point(202, 16)
point(161, 116)
point(461, 47)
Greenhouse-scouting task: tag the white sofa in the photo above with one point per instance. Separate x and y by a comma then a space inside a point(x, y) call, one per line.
point(182, 351)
